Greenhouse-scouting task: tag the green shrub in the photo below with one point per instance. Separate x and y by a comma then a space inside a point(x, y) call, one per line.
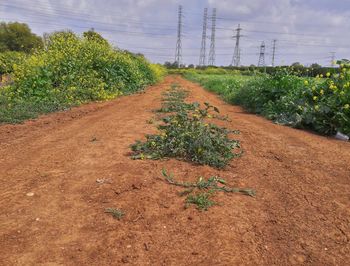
point(9, 59)
point(71, 71)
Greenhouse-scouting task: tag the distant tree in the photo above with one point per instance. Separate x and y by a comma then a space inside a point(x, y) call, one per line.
point(296, 64)
point(191, 66)
point(168, 64)
point(92, 35)
point(15, 36)
point(315, 66)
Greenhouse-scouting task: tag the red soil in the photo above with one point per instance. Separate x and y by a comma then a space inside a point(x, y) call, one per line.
point(300, 215)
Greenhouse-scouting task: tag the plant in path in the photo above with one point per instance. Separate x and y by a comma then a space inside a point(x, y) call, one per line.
point(206, 189)
point(186, 134)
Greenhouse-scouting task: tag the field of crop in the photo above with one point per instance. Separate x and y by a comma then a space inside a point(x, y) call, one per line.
point(321, 104)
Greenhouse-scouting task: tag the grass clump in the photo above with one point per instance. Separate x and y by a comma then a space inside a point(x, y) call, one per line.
point(200, 193)
point(186, 134)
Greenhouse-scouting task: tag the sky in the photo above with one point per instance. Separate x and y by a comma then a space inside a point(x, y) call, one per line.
point(306, 31)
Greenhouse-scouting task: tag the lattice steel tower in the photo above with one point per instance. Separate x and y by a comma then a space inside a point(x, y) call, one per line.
point(236, 59)
point(211, 61)
point(204, 37)
point(178, 52)
point(262, 55)
point(273, 52)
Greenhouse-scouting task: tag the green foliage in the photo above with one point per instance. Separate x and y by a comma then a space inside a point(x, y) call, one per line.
point(116, 213)
point(15, 36)
point(320, 104)
point(92, 35)
point(201, 200)
point(206, 187)
point(71, 71)
point(9, 59)
point(186, 134)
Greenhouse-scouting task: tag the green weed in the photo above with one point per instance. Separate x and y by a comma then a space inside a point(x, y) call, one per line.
point(186, 134)
point(206, 187)
point(116, 213)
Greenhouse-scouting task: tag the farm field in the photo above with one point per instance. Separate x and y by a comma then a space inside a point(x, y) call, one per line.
point(60, 173)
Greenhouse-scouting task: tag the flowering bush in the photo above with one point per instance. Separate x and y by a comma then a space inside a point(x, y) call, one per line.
point(74, 70)
point(9, 59)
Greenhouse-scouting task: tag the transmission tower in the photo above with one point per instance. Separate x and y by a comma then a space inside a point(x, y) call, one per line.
point(212, 39)
point(262, 55)
point(178, 52)
point(204, 37)
point(273, 52)
point(333, 59)
point(236, 59)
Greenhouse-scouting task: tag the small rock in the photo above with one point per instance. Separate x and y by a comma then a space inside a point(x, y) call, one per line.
point(125, 260)
point(37, 219)
point(326, 249)
point(30, 194)
point(128, 246)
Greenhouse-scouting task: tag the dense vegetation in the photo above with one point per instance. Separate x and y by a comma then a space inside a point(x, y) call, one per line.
point(185, 133)
point(70, 71)
point(320, 104)
point(15, 36)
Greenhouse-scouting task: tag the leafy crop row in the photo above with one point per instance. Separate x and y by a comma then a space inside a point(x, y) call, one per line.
point(321, 104)
point(186, 133)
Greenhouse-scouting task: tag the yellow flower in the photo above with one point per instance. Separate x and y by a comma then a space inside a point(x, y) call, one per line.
point(346, 106)
point(321, 92)
point(315, 98)
point(342, 93)
point(306, 82)
point(317, 107)
point(321, 76)
point(328, 74)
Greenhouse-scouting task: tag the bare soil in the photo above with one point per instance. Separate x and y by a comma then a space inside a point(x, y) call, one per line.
point(300, 215)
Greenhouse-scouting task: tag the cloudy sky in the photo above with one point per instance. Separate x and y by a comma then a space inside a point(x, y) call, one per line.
point(306, 31)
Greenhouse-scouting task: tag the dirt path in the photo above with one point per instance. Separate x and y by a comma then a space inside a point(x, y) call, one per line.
point(301, 214)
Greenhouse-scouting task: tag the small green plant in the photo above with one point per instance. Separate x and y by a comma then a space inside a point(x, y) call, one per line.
point(207, 188)
point(201, 200)
point(116, 213)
